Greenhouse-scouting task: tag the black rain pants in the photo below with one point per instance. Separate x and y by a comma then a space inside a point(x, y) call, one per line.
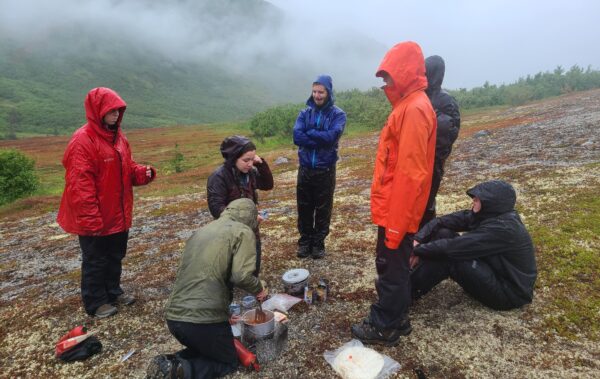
point(101, 268)
point(393, 283)
point(436, 181)
point(314, 193)
point(209, 348)
point(474, 275)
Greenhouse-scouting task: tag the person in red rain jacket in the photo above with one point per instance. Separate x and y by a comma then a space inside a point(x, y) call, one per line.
point(97, 202)
point(400, 189)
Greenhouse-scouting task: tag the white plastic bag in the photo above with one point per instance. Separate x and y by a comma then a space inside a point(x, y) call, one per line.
point(354, 361)
point(280, 302)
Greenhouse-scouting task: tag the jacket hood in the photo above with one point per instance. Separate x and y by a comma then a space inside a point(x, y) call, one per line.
point(242, 210)
point(231, 147)
point(98, 102)
point(435, 69)
point(497, 197)
point(406, 66)
point(327, 82)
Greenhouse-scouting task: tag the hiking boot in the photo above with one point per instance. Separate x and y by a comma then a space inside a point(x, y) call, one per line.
point(182, 369)
point(124, 300)
point(163, 367)
point(318, 252)
point(304, 251)
point(370, 334)
point(105, 310)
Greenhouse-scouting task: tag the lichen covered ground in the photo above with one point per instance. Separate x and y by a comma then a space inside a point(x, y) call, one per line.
point(549, 150)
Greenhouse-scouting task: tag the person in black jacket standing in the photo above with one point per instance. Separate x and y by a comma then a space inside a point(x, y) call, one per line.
point(493, 260)
point(242, 173)
point(317, 132)
point(448, 125)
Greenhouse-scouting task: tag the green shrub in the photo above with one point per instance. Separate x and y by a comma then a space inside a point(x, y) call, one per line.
point(367, 109)
point(17, 176)
point(277, 121)
point(177, 161)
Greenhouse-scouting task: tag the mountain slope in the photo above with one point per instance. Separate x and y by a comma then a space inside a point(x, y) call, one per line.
point(174, 62)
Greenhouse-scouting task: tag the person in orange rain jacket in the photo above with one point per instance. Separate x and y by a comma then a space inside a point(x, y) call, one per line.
point(97, 202)
point(400, 189)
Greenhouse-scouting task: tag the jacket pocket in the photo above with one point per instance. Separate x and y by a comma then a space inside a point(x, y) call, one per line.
point(389, 164)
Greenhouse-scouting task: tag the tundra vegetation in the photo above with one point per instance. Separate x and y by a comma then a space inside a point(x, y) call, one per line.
point(549, 149)
point(369, 109)
point(17, 176)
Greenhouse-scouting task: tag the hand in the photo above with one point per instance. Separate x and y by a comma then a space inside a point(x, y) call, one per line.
point(262, 295)
point(392, 244)
point(149, 171)
point(257, 160)
point(413, 260)
point(234, 319)
point(415, 243)
point(259, 218)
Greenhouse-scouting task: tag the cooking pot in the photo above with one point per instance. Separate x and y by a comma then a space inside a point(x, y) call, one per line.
point(295, 280)
point(258, 332)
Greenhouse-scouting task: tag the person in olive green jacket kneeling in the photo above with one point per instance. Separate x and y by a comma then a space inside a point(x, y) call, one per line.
point(219, 256)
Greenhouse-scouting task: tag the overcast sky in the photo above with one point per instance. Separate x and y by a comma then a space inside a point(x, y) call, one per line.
point(480, 40)
point(494, 40)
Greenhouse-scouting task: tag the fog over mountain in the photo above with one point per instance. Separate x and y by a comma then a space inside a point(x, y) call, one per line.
point(244, 36)
point(173, 61)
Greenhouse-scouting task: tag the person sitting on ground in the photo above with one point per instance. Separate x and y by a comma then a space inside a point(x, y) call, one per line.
point(493, 260)
point(219, 256)
point(242, 173)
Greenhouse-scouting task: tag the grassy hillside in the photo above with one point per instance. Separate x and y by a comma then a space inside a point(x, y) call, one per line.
point(46, 90)
point(44, 78)
point(173, 62)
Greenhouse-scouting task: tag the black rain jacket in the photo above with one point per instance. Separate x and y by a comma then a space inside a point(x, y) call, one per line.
point(495, 235)
point(445, 106)
point(225, 184)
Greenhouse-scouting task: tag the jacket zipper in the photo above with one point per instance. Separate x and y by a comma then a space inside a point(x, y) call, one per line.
point(122, 185)
point(314, 152)
point(385, 163)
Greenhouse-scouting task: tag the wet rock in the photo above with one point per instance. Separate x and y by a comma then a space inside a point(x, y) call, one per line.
point(281, 160)
point(481, 133)
point(184, 234)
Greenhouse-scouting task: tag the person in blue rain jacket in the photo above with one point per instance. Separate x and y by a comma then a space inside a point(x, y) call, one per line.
point(317, 132)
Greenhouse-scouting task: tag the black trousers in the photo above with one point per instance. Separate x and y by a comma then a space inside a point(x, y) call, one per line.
point(258, 256)
point(393, 283)
point(314, 194)
point(474, 275)
point(436, 181)
point(208, 349)
point(101, 269)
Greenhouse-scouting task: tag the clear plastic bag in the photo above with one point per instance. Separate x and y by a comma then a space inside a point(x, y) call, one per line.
point(354, 361)
point(281, 302)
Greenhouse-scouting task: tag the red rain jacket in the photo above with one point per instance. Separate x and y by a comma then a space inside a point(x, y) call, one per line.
point(406, 151)
point(100, 172)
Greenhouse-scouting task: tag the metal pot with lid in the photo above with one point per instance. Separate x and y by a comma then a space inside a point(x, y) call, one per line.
point(295, 280)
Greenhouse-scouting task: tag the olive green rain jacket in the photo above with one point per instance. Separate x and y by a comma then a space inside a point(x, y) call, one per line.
point(216, 258)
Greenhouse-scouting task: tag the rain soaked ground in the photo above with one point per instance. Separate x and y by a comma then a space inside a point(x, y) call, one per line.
point(549, 150)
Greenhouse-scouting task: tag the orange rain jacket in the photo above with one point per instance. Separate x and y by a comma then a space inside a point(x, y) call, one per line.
point(406, 151)
point(100, 172)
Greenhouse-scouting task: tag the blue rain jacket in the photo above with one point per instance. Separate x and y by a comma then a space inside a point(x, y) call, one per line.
point(318, 130)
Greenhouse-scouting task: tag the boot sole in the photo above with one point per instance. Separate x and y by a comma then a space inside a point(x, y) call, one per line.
point(105, 315)
point(393, 343)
